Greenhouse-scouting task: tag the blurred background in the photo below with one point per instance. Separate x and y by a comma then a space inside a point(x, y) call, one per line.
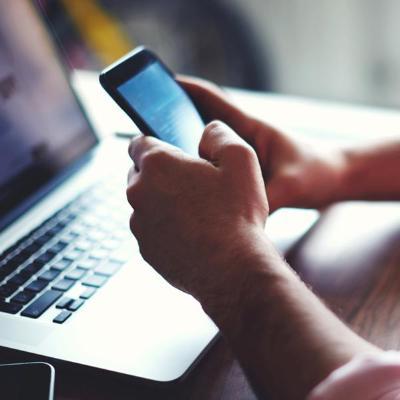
point(344, 50)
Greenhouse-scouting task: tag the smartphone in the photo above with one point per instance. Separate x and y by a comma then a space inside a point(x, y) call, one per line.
point(144, 87)
point(27, 381)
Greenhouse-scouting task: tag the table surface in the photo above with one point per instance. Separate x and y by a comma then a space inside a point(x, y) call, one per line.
point(351, 258)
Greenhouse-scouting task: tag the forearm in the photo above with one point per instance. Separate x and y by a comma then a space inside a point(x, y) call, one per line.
point(286, 340)
point(372, 172)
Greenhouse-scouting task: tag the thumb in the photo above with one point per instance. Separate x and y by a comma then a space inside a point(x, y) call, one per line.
point(221, 145)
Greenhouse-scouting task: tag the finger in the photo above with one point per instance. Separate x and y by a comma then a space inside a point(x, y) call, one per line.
point(135, 224)
point(132, 175)
point(220, 143)
point(139, 145)
point(134, 191)
point(213, 103)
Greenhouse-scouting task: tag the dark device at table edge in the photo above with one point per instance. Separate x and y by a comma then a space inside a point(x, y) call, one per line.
point(27, 381)
point(124, 71)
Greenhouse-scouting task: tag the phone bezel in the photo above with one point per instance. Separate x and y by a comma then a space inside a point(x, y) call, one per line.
point(125, 69)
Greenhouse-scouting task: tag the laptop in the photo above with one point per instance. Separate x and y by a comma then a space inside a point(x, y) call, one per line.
point(73, 286)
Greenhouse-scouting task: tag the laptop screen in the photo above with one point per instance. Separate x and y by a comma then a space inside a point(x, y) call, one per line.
point(42, 127)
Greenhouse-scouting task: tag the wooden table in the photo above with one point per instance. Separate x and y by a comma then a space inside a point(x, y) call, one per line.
point(352, 260)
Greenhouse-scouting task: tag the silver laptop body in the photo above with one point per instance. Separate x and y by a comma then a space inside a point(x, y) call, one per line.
point(73, 285)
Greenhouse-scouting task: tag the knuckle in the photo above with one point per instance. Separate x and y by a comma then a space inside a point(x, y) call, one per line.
point(131, 174)
point(205, 137)
point(135, 142)
point(212, 126)
point(133, 194)
point(211, 129)
point(239, 152)
point(153, 159)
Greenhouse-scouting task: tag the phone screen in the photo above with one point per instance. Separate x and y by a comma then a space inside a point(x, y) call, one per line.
point(165, 107)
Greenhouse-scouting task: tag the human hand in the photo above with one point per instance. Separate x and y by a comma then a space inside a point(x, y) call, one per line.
point(296, 174)
point(194, 218)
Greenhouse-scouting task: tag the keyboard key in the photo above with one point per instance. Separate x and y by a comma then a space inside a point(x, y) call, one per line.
point(109, 267)
point(83, 245)
point(75, 305)
point(78, 230)
point(43, 239)
point(20, 278)
point(71, 216)
point(89, 263)
point(37, 285)
point(99, 254)
point(64, 302)
point(10, 308)
point(64, 284)
point(49, 234)
point(58, 227)
point(7, 289)
point(41, 304)
point(74, 254)
point(34, 267)
point(49, 275)
point(10, 266)
point(62, 264)
point(58, 247)
point(23, 297)
point(95, 280)
point(31, 249)
point(88, 293)
point(68, 237)
point(19, 258)
point(46, 256)
point(3, 274)
point(62, 317)
point(76, 273)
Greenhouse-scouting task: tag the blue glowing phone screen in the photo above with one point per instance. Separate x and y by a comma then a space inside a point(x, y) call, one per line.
point(165, 107)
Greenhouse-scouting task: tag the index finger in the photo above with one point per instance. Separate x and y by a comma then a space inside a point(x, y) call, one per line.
point(139, 145)
point(214, 104)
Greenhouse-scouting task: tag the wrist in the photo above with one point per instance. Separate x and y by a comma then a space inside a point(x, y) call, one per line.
point(254, 272)
point(342, 178)
point(351, 175)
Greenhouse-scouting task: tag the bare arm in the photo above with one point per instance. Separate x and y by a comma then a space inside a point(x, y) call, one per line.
point(200, 224)
point(286, 340)
point(372, 172)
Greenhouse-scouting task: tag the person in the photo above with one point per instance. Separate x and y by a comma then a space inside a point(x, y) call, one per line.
point(200, 223)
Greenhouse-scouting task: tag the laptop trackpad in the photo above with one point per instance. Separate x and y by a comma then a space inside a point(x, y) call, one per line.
point(15, 330)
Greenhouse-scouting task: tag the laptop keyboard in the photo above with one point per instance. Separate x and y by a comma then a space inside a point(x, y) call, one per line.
point(68, 258)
